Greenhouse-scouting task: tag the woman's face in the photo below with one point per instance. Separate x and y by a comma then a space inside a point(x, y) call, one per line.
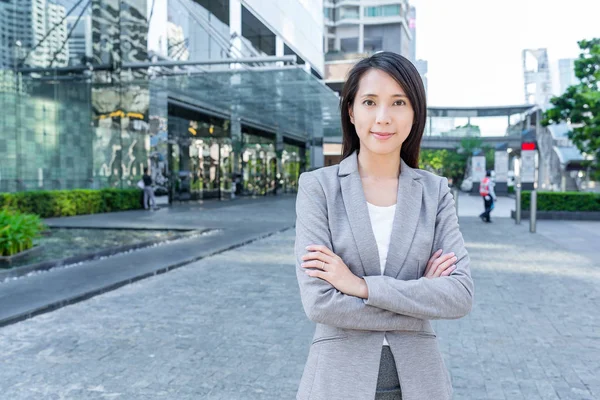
point(381, 113)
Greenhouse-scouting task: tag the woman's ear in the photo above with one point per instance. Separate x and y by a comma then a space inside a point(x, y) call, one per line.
point(351, 113)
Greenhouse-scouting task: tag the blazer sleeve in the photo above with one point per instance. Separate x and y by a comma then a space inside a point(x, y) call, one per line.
point(445, 297)
point(321, 301)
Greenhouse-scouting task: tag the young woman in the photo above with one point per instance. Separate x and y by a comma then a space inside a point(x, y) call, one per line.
point(378, 248)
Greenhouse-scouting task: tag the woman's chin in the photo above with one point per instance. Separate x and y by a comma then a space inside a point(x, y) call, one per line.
point(383, 149)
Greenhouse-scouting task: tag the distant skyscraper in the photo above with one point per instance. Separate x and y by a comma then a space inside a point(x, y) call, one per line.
point(422, 66)
point(58, 50)
point(80, 42)
point(566, 68)
point(536, 71)
point(27, 22)
point(354, 30)
point(412, 26)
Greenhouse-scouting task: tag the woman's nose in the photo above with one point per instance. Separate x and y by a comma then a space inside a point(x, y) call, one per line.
point(383, 116)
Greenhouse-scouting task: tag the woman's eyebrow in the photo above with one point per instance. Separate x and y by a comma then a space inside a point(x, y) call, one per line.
point(374, 95)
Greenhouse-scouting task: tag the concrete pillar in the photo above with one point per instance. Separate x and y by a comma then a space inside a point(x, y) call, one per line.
point(279, 49)
point(235, 130)
point(317, 159)
point(235, 29)
point(279, 152)
point(361, 37)
point(307, 67)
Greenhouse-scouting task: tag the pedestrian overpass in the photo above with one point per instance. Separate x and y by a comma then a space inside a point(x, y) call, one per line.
point(503, 128)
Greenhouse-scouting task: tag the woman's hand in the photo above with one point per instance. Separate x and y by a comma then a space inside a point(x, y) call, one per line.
point(440, 265)
point(323, 263)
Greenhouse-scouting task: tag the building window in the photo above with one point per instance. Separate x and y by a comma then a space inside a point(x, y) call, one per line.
point(392, 10)
point(348, 13)
point(331, 44)
point(373, 44)
point(349, 45)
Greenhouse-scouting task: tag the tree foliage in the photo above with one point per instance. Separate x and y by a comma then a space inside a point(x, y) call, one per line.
point(453, 163)
point(580, 104)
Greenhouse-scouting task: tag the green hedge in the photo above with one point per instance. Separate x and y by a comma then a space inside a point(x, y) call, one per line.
point(63, 203)
point(562, 201)
point(17, 231)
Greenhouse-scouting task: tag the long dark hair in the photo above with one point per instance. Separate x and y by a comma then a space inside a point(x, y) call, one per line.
point(407, 76)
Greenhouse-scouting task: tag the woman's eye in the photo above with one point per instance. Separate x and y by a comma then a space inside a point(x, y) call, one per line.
point(400, 102)
point(368, 102)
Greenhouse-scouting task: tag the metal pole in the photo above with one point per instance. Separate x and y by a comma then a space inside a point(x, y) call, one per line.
point(533, 211)
point(243, 60)
point(518, 193)
point(518, 204)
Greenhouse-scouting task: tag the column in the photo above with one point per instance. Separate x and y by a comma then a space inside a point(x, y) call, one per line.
point(235, 29)
point(279, 49)
point(235, 130)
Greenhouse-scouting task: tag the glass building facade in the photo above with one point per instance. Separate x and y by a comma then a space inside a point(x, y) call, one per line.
point(204, 130)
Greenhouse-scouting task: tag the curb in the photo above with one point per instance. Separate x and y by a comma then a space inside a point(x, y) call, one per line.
point(17, 272)
point(92, 293)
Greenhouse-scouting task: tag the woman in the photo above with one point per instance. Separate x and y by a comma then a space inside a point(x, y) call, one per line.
point(378, 248)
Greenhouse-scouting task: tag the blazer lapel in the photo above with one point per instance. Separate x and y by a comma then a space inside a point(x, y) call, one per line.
point(358, 215)
point(408, 208)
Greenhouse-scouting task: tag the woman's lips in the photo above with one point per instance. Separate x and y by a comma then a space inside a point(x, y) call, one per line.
point(382, 135)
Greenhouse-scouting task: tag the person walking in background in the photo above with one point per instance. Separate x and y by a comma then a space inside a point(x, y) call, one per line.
point(486, 190)
point(148, 191)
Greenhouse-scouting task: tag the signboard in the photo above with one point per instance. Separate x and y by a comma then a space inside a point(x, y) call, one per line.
point(528, 166)
point(501, 166)
point(478, 168)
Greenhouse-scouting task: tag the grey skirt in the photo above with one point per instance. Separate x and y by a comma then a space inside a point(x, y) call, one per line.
point(388, 385)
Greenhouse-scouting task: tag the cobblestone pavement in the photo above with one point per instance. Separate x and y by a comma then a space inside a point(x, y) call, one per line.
point(232, 327)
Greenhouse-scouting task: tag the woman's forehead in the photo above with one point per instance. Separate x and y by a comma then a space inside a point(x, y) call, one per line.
point(379, 83)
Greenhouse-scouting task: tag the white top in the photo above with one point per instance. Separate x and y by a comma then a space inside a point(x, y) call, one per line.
point(382, 221)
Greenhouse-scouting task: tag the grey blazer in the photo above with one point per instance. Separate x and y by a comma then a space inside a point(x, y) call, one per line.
point(343, 360)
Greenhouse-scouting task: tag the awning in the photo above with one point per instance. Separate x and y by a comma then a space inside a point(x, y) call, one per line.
point(286, 98)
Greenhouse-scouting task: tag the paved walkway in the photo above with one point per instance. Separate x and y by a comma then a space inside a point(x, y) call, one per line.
point(472, 206)
point(232, 327)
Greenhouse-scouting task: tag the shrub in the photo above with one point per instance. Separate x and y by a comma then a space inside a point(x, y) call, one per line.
point(562, 201)
point(63, 203)
point(17, 231)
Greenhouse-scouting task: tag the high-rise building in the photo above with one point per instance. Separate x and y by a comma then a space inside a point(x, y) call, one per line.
point(421, 65)
point(356, 29)
point(566, 70)
point(80, 42)
point(57, 48)
point(537, 80)
point(24, 24)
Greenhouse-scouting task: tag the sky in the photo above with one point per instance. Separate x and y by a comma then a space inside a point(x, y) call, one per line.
point(474, 47)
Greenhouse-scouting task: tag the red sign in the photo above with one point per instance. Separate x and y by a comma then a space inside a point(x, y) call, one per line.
point(527, 146)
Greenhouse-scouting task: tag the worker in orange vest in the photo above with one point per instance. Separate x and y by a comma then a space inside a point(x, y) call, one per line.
point(486, 190)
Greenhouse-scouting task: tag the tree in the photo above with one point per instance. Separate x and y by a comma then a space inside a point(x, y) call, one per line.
point(580, 104)
point(453, 163)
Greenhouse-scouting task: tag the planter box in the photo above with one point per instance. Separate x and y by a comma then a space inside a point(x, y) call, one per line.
point(8, 261)
point(562, 215)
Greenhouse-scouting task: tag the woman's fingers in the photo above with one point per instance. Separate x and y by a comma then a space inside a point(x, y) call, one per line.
point(314, 264)
point(439, 263)
point(435, 263)
point(321, 248)
point(444, 266)
point(317, 256)
point(448, 271)
point(432, 259)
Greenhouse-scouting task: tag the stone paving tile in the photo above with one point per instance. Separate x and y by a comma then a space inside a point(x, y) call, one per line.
point(232, 327)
